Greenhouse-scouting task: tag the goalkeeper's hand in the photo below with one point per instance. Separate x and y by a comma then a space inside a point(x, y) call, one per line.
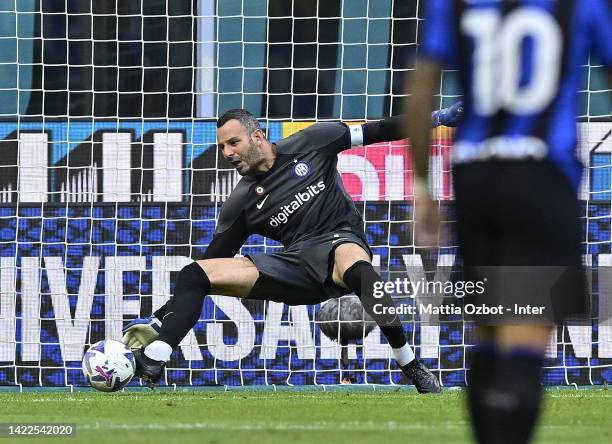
point(448, 116)
point(141, 332)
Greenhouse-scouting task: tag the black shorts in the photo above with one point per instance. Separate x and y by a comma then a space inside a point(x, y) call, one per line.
point(519, 223)
point(301, 273)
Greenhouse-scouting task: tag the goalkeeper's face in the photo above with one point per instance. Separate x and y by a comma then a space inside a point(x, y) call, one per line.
point(241, 149)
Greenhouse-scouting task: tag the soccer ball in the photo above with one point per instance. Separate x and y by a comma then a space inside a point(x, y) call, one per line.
point(108, 365)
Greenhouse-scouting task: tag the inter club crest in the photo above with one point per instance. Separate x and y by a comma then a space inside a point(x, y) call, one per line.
point(301, 169)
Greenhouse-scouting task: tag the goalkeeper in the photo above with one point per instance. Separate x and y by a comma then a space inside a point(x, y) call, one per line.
point(291, 192)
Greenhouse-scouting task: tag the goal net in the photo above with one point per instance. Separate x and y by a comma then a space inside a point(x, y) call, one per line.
point(110, 183)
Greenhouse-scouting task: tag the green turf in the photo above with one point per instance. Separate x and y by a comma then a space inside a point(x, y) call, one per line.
point(305, 416)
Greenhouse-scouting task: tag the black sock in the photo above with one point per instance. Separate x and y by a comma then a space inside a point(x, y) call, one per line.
point(360, 278)
point(482, 361)
point(511, 401)
point(184, 307)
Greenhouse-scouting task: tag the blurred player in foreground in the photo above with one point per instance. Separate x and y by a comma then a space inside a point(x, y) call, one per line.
point(291, 192)
point(515, 176)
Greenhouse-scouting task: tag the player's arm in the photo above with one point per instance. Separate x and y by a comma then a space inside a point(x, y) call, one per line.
point(438, 48)
point(392, 128)
point(226, 243)
point(420, 103)
point(340, 137)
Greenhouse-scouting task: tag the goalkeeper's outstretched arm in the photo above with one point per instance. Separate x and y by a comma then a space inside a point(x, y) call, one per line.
point(141, 332)
point(393, 128)
point(224, 244)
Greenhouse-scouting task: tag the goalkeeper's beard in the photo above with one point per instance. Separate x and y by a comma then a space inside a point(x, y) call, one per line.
point(252, 159)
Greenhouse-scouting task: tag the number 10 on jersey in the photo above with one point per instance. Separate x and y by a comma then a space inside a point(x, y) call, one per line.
point(498, 58)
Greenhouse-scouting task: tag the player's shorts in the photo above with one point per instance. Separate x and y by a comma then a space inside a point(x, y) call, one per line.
point(301, 273)
point(518, 224)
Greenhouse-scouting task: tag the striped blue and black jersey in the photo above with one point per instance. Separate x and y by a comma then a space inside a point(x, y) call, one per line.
point(520, 64)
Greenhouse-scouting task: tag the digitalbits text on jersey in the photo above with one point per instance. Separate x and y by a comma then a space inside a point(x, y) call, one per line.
point(300, 199)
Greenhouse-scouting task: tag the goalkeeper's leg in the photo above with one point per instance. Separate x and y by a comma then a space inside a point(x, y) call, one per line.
point(353, 270)
point(232, 277)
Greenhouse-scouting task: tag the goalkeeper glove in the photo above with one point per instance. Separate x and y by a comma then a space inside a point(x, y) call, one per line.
point(448, 116)
point(141, 332)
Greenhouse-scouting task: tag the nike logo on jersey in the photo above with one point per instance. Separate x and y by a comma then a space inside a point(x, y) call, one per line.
point(167, 314)
point(260, 204)
point(336, 240)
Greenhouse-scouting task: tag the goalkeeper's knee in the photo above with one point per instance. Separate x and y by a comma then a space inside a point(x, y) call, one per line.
point(141, 332)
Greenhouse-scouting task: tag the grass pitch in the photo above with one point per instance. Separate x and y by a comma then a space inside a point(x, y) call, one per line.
point(304, 416)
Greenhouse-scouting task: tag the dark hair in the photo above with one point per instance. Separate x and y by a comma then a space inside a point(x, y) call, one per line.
point(246, 119)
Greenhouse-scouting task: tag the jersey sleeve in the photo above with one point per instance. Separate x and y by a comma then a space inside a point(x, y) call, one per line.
point(392, 128)
point(385, 130)
point(600, 21)
point(324, 137)
point(438, 40)
point(227, 243)
point(233, 208)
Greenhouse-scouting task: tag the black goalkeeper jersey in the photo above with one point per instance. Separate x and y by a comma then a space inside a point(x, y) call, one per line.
point(302, 195)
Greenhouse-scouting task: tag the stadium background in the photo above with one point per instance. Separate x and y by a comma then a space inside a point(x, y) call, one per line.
point(109, 179)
